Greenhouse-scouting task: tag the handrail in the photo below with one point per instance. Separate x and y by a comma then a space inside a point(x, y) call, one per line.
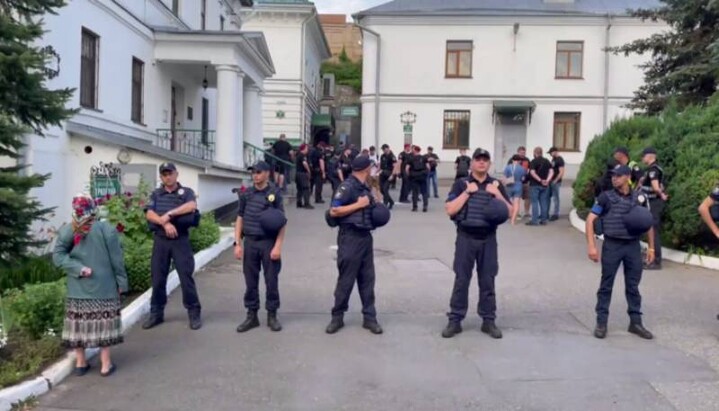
point(270, 155)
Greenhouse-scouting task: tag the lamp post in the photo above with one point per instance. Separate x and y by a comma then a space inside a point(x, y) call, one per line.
point(408, 119)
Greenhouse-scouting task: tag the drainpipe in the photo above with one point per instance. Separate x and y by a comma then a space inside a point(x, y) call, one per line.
point(302, 75)
point(607, 54)
point(376, 81)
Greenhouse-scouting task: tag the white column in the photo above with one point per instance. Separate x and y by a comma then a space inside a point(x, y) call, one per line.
point(239, 113)
point(252, 106)
point(228, 132)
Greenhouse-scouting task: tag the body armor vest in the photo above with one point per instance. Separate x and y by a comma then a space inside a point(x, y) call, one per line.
point(613, 221)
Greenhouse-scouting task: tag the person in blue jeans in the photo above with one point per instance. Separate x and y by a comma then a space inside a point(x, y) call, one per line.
point(556, 181)
point(514, 176)
point(432, 160)
point(540, 175)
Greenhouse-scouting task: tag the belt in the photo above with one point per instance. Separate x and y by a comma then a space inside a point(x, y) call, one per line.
point(477, 235)
point(257, 238)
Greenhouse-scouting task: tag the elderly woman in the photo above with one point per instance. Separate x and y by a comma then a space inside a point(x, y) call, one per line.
point(90, 254)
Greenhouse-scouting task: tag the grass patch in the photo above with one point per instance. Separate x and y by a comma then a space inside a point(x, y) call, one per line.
point(24, 357)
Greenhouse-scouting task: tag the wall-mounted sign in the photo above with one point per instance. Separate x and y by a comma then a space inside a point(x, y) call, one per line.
point(105, 179)
point(350, 111)
point(280, 114)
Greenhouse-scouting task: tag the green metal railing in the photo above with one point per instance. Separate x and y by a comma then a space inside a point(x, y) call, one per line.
point(194, 143)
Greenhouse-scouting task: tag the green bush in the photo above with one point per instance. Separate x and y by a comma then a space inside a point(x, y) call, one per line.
point(206, 234)
point(127, 213)
point(25, 356)
point(688, 151)
point(32, 270)
point(38, 308)
point(137, 263)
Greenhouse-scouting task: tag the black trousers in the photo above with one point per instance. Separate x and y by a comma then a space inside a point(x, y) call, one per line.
point(384, 183)
point(629, 254)
point(355, 262)
point(257, 256)
point(303, 189)
point(469, 251)
point(179, 251)
point(405, 189)
point(317, 184)
point(419, 186)
point(656, 206)
point(335, 182)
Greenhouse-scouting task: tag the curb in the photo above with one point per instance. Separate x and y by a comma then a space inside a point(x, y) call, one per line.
point(131, 314)
point(711, 263)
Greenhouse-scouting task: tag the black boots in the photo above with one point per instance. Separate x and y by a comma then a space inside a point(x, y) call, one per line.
point(153, 320)
point(600, 331)
point(489, 328)
point(335, 325)
point(195, 320)
point(639, 330)
point(373, 326)
point(272, 321)
point(453, 328)
point(250, 322)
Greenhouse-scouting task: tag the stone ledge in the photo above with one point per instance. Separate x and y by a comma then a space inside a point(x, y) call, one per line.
point(680, 257)
point(131, 314)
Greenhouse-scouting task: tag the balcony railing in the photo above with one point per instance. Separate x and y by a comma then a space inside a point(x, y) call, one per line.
point(253, 154)
point(194, 143)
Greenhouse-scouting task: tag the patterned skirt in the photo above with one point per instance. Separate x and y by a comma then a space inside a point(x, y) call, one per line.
point(92, 323)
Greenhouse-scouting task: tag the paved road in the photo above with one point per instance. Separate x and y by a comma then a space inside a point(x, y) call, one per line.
point(548, 359)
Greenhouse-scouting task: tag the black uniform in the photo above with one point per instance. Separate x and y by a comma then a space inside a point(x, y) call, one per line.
point(317, 157)
point(168, 250)
point(333, 166)
point(386, 166)
point(656, 204)
point(406, 184)
point(463, 163)
point(302, 178)
point(345, 165)
point(355, 256)
point(418, 177)
point(476, 243)
point(619, 247)
point(257, 247)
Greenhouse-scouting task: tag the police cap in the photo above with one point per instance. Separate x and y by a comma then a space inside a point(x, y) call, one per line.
point(260, 166)
point(361, 163)
point(380, 215)
point(272, 220)
point(649, 150)
point(621, 170)
point(167, 167)
point(481, 153)
point(638, 220)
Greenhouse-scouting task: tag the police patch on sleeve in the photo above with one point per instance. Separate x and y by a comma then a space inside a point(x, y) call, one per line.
point(652, 174)
point(271, 198)
point(340, 192)
point(641, 199)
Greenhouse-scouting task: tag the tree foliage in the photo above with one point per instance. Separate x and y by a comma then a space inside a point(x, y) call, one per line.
point(26, 106)
point(346, 71)
point(684, 60)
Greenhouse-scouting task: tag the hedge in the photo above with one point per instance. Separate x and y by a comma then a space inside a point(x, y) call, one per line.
point(687, 143)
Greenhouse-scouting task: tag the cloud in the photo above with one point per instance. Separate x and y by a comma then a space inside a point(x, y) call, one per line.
point(345, 6)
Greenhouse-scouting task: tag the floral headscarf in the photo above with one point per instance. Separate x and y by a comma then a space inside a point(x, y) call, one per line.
point(84, 210)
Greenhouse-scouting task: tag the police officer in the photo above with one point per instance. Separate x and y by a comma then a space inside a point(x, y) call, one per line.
point(262, 246)
point(345, 164)
point(303, 177)
point(621, 155)
point(317, 163)
point(352, 208)
point(387, 162)
point(477, 204)
point(333, 170)
point(167, 212)
point(403, 163)
point(417, 169)
point(620, 209)
point(652, 185)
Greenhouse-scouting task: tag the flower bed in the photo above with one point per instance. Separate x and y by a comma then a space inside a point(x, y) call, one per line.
point(31, 313)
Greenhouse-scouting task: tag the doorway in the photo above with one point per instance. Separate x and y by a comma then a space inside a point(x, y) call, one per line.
point(177, 102)
point(510, 132)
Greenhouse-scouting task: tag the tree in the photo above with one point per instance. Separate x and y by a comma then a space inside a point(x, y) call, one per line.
point(26, 106)
point(685, 60)
point(347, 72)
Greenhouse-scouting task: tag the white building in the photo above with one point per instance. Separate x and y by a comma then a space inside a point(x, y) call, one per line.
point(156, 81)
point(290, 103)
point(498, 74)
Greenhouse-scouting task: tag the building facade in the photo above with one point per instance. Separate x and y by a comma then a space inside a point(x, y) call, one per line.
point(290, 101)
point(342, 35)
point(155, 81)
point(498, 74)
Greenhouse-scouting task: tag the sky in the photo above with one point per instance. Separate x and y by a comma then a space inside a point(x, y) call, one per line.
point(345, 6)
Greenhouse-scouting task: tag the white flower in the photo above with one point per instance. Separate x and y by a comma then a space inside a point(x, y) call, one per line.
point(50, 332)
point(3, 337)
